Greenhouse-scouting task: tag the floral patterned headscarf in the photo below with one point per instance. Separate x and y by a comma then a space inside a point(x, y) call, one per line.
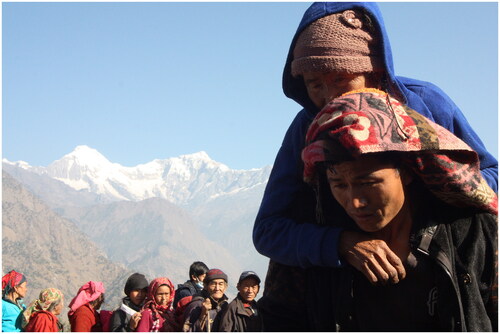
point(46, 299)
point(158, 311)
point(370, 121)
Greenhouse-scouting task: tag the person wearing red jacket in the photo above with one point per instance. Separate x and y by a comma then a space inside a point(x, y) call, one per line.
point(41, 314)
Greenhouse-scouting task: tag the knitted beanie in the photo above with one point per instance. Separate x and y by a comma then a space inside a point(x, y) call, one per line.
point(136, 281)
point(214, 274)
point(339, 42)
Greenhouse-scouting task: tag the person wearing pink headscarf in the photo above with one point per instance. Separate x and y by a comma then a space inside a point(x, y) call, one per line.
point(157, 314)
point(83, 315)
point(14, 287)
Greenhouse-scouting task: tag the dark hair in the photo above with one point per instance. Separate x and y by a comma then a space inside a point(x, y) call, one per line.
point(197, 268)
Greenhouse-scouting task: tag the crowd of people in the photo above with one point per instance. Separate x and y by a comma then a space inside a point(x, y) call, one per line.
point(146, 307)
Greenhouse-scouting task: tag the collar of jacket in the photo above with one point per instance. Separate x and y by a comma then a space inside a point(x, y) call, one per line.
point(434, 240)
point(127, 302)
point(240, 309)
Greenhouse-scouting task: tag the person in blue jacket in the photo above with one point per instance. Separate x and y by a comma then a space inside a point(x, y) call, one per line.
point(14, 288)
point(338, 47)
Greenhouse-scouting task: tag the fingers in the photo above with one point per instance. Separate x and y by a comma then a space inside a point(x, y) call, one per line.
point(378, 263)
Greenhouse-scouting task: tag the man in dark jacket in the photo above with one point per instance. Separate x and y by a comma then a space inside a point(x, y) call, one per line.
point(194, 285)
point(338, 47)
point(204, 311)
point(242, 314)
point(401, 178)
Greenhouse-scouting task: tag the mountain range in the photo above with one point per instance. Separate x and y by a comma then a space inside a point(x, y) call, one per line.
point(49, 250)
point(158, 217)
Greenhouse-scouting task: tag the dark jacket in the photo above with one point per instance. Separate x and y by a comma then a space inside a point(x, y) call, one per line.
point(236, 318)
point(285, 229)
point(192, 321)
point(120, 319)
point(189, 288)
point(463, 246)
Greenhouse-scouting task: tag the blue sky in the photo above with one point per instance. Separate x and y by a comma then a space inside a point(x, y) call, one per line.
point(144, 81)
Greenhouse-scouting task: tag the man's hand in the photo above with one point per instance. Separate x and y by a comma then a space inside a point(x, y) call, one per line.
point(372, 257)
point(206, 306)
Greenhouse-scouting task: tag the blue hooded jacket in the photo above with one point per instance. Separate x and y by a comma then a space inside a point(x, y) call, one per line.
point(285, 230)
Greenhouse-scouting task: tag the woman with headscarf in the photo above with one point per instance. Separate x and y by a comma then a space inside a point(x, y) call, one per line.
point(41, 314)
point(157, 314)
point(385, 170)
point(83, 315)
point(14, 287)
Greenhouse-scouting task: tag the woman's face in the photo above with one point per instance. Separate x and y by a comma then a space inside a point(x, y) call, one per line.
point(324, 87)
point(58, 309)
point(162, 295)
point(21, 289)
point(137, 296)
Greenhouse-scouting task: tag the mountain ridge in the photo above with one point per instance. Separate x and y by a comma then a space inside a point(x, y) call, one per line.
point(186, 180)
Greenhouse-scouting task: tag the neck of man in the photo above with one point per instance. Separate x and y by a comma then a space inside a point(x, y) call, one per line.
point(397, 233)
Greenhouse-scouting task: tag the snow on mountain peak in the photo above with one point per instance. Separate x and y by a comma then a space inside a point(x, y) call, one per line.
point(87, 156)
point(183, 180)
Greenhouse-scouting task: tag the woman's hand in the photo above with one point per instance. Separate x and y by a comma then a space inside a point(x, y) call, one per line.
point(372, 257)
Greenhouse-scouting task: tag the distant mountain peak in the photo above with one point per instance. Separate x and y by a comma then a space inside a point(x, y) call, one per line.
point(86, 155)
point(202, 155)
point(184, 180)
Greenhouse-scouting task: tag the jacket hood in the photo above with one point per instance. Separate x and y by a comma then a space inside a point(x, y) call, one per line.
point(294, 88)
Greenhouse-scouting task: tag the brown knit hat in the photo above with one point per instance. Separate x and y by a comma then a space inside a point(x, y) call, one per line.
point(339, 42)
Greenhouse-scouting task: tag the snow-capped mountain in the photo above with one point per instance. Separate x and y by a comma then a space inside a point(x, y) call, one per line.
point(187, 180)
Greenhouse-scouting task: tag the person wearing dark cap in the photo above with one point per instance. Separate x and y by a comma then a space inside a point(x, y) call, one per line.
point(242, 314)
point(127, 316)
point(338, 47)
point(204, 311)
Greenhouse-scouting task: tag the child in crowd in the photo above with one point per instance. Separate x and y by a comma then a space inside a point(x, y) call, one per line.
point(157, 314)
point(127, 316)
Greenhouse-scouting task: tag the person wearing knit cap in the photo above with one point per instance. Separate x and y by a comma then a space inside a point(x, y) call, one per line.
point(127, 316)
point(83, 312)
point(338, 47)
point(403, 179)
point(14, 288)
point(204, 311)
point(242, 313)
